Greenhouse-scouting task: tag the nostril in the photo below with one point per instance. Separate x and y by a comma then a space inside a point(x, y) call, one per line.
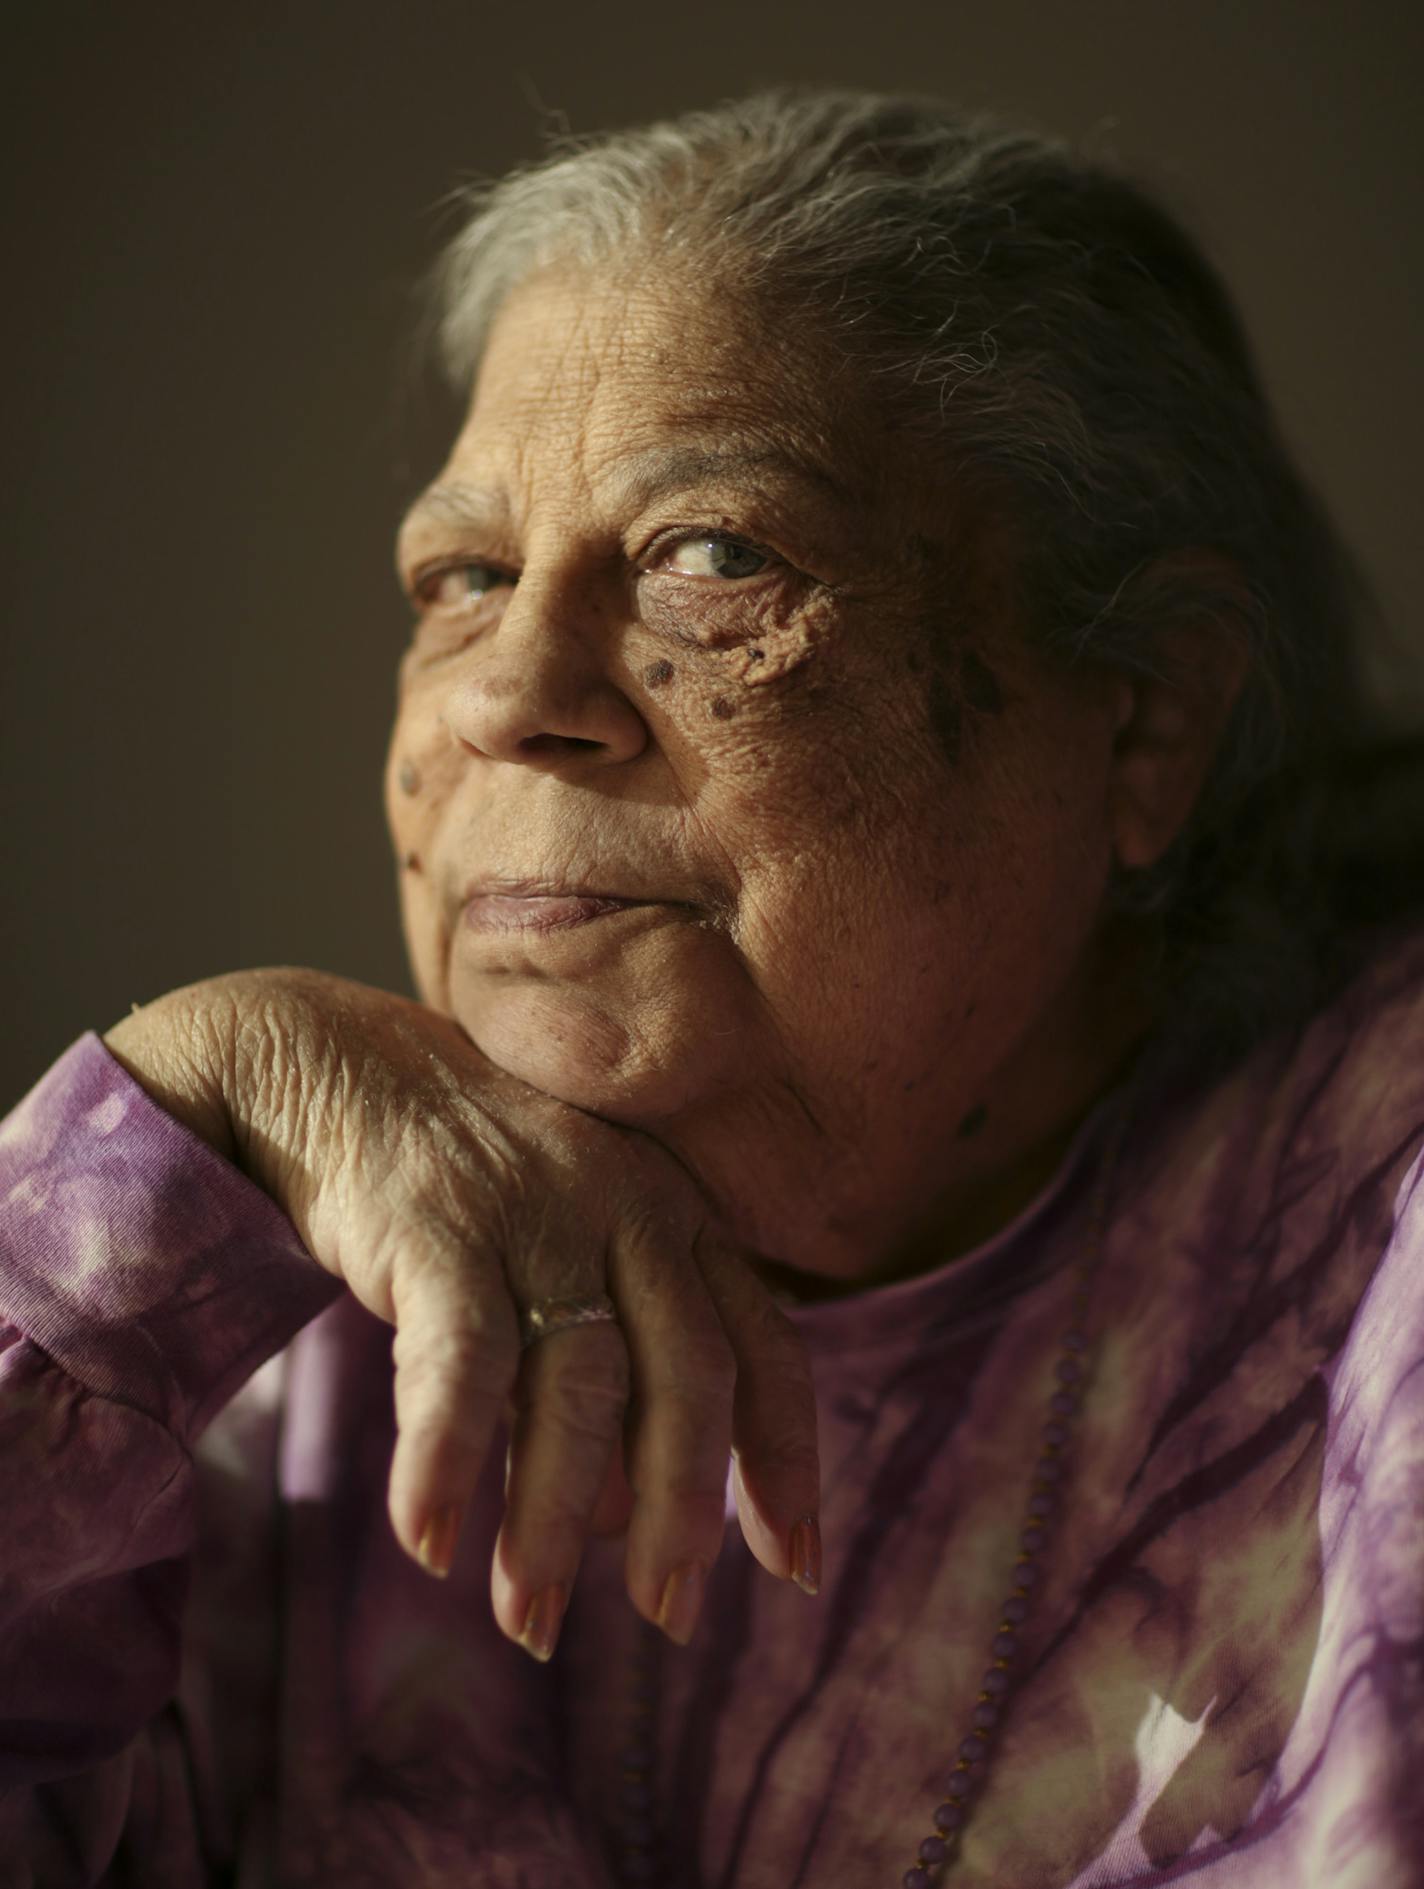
point(558, 744)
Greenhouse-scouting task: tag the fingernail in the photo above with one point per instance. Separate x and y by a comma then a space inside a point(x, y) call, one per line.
point(806, 1555)
point(437, 1541)
point(542, 1622)
point(682, 1601)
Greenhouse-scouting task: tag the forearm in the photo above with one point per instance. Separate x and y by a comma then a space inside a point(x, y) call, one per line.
point(142, 1279)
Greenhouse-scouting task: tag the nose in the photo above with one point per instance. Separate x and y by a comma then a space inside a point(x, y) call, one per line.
point(535, 688)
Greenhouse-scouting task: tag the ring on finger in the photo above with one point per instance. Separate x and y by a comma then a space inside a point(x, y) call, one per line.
point(551, 1315)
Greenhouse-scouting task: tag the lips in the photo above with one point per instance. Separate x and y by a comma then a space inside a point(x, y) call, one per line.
point(540, 911)
point(537, 905)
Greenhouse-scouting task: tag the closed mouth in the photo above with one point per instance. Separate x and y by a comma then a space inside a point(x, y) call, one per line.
point(542, 908)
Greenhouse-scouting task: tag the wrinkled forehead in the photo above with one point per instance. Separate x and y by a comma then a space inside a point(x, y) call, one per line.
point(625, 377)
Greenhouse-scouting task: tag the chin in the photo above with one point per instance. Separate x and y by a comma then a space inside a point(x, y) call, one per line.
point(632, 1018)
point(562, 1042)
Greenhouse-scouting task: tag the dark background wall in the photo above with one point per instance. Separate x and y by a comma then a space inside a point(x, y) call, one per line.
point(215, 217)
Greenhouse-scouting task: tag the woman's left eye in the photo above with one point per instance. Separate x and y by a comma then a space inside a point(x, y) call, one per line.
point(458, 586)
point(714, 557)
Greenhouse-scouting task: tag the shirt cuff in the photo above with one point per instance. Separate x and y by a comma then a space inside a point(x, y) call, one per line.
point(138, 1258)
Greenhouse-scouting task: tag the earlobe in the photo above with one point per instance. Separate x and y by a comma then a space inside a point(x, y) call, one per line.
point(1169, 733)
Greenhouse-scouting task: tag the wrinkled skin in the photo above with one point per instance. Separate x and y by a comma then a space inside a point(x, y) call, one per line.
point(697, 632)
point(874, 827)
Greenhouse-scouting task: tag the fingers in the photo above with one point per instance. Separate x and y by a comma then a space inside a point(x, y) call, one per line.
point(718, 1372)
point(614, 1509)
point(569, 1401)
point(776, 1472)
point(680, 1435)
point(456, 1354)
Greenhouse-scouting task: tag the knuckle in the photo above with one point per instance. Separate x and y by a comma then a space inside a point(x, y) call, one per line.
point(587, 1402)
point(771, 1330)
point(435, 1359)
point(705, 1360)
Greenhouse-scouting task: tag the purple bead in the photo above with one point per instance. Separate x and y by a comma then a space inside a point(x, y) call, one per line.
point(1063, 1403)
point(1025, 1574)
point(1076, 1339)
point(1005, 1645)
point(959, 1786)
point(995, 1680)
point(1033, 1539)
point(636, 1795)
point(933, 1850)
point(637, 1757)
point(1048, 1469)
point(972, 1749)
point(1015, 1608)
point(1069, 1371)
point(948, 1816)
point(640, 1833)
point(1056, 1433)
point(916, 1878)
point(985, 1714)
point(1040, 1504)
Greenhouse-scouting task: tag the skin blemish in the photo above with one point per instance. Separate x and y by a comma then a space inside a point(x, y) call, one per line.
point(723, 709)
point(981, 686)
point(657, 673)
point(409, 778)
point(946, 712)
point(784, 638)
point(973, 1122)
point(411, 862)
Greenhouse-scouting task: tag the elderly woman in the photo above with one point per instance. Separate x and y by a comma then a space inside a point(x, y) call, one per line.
point(898, 1024)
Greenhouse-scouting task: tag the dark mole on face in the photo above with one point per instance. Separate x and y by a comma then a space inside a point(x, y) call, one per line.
point(411, 862)
point(981, 685)
point(723, 709)
point(973, 1122)
point(409, 778)
point(946, 712)
point(657, 673)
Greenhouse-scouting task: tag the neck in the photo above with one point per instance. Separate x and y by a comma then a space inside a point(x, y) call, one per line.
point(870, 1222)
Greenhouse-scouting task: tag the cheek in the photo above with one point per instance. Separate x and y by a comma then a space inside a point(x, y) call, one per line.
point(747, 642)
point(764, 766)
point(782, 640)
point(422, 768)
point(422, 765)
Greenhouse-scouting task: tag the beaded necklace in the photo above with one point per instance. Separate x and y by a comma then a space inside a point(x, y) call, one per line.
point(639, 1846)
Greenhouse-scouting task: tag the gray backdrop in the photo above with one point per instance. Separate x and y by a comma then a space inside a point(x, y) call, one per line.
point(216, 216)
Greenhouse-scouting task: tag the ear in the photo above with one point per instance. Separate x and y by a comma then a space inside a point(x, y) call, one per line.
point(1170, 722)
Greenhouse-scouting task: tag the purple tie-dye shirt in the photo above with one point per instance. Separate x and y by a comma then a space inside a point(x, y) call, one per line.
point(217, 1667)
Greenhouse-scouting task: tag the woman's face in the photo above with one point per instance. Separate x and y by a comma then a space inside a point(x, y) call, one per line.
point(726, 804)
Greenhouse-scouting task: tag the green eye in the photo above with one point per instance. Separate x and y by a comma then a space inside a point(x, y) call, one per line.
point(716, 557)
point(458, 586)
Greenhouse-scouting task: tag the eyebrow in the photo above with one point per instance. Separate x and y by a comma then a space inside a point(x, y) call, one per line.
point(661, 469)
point(639, 479)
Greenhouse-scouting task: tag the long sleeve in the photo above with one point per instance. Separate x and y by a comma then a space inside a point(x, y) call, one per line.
point(143, 1280)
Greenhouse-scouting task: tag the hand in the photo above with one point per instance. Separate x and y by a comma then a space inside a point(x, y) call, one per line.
point(448, 1195)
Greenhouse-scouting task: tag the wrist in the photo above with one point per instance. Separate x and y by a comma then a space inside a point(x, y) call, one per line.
point(172, 1049)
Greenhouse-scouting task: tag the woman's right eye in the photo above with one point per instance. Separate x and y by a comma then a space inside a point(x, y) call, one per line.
point(456, 587)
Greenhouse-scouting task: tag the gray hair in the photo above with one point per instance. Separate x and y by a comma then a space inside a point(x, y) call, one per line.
point(1052, 328)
